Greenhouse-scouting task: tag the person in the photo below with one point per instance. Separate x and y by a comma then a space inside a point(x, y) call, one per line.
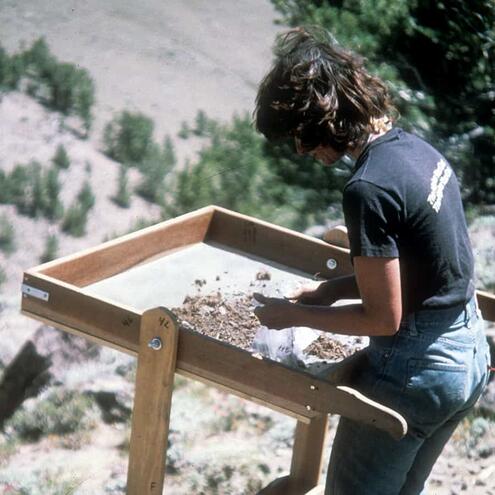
point(413, 264)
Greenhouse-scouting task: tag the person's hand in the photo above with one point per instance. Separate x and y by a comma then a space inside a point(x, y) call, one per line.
point(275, 313)
point(316, 293)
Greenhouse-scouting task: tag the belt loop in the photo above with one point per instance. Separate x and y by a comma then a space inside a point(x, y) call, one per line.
point(468, 315)
point(411, 324)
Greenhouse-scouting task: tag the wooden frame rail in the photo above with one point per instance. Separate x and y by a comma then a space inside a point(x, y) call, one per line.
point(54, 293)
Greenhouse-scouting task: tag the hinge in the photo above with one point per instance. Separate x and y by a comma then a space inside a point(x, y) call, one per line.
point(33, 292)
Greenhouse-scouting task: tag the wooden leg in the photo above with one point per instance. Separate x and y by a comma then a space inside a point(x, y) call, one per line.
point(307, 454)
point(152, 400)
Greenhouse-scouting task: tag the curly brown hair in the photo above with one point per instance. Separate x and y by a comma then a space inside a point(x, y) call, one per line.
point(320, 93)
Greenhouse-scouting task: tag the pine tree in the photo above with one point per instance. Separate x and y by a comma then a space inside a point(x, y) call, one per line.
point(75, 220)
point(51, 249)
point(61, 158)
point(86, 197)
point(123, 196)
point(7, 235)
point(53, 207)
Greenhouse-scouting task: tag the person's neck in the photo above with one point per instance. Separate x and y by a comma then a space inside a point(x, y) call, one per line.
point(356, 152)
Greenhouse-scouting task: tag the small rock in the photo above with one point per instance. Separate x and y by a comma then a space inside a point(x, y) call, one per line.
point(263, 275)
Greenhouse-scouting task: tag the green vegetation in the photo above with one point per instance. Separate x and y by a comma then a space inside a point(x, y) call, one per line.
point(3, 276)
point(33, 191)
point(128, 138)
point(184, 131)
point(240, 170)
point(61, 158)
point(53, 482)
point(51, 249)
point(62, 86)
point(74, 222)
point(438, 60)
point(7, 235)
point(86, 198)
point(203, 124)
point(52, 206)
point(123, 196)
point(8, 447)
point(155, 167)
point(60, 413)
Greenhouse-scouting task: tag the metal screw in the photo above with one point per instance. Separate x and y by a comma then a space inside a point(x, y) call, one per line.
point(309, 408)
point(313, 387)
point(331, 264)
point(155, 343)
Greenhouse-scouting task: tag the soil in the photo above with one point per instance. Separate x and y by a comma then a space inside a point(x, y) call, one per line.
point(327, 349)
point(233, 321)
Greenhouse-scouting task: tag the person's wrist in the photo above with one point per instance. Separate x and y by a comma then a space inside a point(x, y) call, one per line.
point(298, 315)
point(328, 292)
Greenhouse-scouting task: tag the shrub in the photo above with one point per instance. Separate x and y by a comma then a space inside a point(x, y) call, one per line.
point(155, 168)
point(4, 188)
point(169, 157)
point(14, 186)
point(184, 131)
point(4, 68)
point(27, 189)
point(128, 138)
point(239, 170)
point(60, 413)
point(39, 60)
point(3, 276)
point(33, 191)
point(86, 197)
point(53, 208)
point(51, 249)
point(7, 235)
point(75, 220)
point(61, 158)
point(39, 483)
point(38, 203)
point(64, 87)
point(8, 447)
point(201, 123)
point(204, 126)
point(11, 70)
point(123, 196)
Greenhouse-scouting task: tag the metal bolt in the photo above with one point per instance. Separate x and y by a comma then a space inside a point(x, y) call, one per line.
point(331, 264)
point(313, 387)
point(155, 343)
point(309, 408)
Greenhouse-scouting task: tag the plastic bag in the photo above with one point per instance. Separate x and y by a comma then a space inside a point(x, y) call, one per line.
point(285, 346)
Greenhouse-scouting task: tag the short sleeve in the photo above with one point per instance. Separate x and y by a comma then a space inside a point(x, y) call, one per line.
point(371, 216)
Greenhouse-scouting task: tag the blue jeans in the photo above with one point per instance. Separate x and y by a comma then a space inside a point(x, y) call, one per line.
point(432, 371)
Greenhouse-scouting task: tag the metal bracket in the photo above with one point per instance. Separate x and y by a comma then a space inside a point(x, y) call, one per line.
point(33, 292)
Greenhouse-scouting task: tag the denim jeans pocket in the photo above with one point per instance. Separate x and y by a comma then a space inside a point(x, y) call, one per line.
point(433, 392)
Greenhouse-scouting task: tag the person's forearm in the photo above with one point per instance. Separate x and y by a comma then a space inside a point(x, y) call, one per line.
point(351, 319)
point(344, 287)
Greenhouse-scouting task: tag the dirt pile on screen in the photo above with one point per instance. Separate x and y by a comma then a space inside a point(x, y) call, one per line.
point(233, 321)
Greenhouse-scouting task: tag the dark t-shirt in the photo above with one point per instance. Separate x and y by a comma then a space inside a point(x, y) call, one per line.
point(403, 201)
